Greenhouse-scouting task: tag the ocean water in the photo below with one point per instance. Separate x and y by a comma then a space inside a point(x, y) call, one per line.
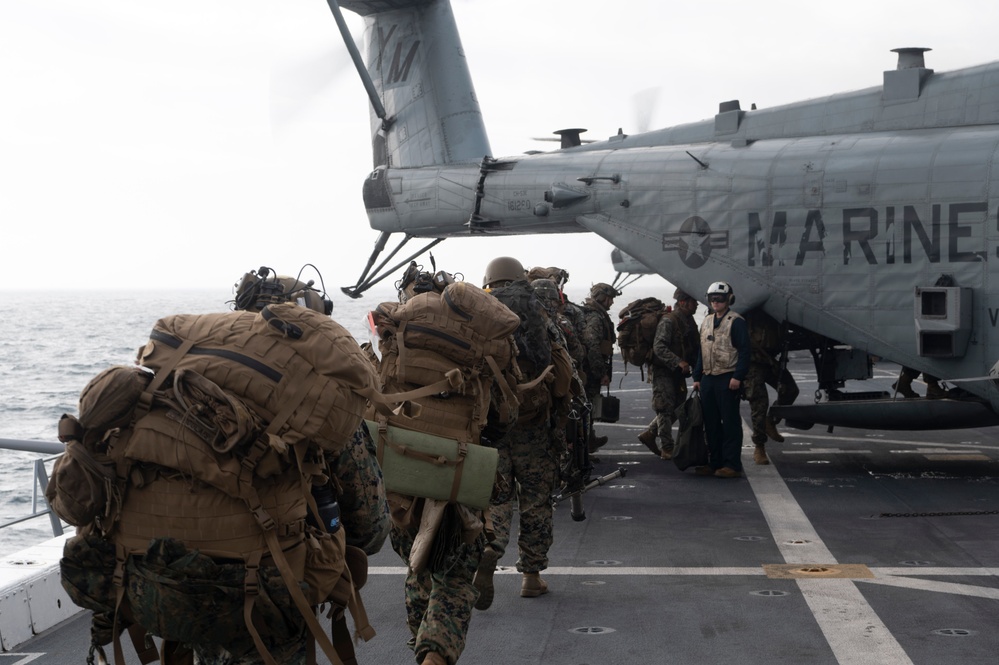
point(52, 343)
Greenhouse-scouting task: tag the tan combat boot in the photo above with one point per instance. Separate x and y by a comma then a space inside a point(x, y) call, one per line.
point(727, 472)
point(483, 581)
point(760, 454)
point(433, 658)
point(666, 452)
point(596, 441)
point(904, 387)
point(934, 390)
point(533, 586)
point(772, 431)
point(649, 439)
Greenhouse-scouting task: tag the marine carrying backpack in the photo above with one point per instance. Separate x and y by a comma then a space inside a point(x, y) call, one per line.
point(636, 331)
point(534, 347)
point(206, 460)
point(462, 334)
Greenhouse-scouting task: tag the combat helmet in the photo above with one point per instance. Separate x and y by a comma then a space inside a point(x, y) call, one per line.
point(721, 289)
point(603, 289)
point(680, 295)
point(547, 292)
point(503, 269)
point(538, 272)
point(263, 287)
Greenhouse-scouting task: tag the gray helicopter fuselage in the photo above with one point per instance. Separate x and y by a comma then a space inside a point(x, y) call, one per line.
point(870, 217)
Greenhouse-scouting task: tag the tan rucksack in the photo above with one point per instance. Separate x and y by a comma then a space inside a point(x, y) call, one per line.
point(461, 331)
point(219, 453)
point(432, 334)
point(636, 331)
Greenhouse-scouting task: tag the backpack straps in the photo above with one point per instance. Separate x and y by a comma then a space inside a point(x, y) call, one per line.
point(251, 589)
point(509, 395)
point(146, 398)
point(453, 380)
point(406, 451)
point(267, 524)
point(144, 647)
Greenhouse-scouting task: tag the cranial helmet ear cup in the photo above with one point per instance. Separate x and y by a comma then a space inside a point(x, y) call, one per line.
point(731, 300)
point(316, 301)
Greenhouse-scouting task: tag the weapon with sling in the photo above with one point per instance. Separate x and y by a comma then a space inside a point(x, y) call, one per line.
point(575, 471)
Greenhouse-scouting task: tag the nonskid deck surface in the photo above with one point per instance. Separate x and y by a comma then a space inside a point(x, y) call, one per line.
point(794, 563)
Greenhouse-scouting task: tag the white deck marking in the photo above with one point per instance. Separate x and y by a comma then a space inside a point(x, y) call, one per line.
point(824, 451)
point(855, 633)
point(889, 574)
point(939, 587)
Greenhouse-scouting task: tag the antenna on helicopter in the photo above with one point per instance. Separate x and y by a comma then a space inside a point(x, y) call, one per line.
point(568, 138)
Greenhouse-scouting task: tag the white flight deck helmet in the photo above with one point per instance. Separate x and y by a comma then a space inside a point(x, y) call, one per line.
point(721, 289)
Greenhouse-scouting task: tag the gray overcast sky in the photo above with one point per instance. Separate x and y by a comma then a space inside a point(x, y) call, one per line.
point(180, 144)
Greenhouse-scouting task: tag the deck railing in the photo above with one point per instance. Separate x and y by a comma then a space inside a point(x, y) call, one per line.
point(39, 506)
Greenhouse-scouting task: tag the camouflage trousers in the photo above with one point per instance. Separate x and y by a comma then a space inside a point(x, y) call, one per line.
point(292, 653)
point(363, 508)
point(439, 603)
point(527, 472)
point(755, 389)
point(669, 389)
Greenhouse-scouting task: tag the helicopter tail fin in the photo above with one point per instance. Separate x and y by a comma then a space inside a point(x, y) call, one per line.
point(418, 72)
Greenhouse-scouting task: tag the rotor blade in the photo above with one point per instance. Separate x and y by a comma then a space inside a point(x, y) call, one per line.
point(645, 103)
point(295, 86)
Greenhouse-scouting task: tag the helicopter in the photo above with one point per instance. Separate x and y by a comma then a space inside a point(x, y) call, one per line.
point(869, 218)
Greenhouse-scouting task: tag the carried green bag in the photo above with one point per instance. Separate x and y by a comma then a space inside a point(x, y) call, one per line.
point(434, 467)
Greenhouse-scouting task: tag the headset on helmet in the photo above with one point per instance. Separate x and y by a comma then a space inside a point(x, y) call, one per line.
point(262, 287)
point(721, 289)
point(417, 280)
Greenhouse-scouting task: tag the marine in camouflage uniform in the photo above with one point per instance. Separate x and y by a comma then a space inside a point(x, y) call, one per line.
point(439, 592)
point(674, 354)
point(440, 596)
point(598, 337)
point(565, 313)
point(364, 509)
point(764, 369)
point(528, 467)
point(364, 517)
point(560, 332)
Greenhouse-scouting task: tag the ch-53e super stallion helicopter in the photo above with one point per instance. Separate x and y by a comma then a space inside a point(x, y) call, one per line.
point(869, 219)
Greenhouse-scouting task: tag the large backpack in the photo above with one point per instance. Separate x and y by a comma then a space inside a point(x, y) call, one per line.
point(636, 330)
point(534, 347)
point(462, 333)
point(436, 458)
point(205, 460)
